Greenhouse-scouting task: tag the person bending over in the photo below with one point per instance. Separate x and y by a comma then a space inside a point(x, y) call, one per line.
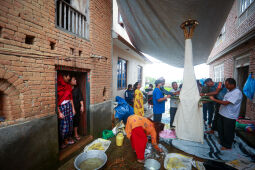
point(137, 130)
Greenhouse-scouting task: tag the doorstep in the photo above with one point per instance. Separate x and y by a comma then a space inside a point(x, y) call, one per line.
point(72, 150)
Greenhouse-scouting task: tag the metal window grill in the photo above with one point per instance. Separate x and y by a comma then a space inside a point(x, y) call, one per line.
point(71, 20)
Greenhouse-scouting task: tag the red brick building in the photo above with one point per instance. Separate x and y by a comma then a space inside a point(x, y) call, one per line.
point(38, 39)
point(234, 52)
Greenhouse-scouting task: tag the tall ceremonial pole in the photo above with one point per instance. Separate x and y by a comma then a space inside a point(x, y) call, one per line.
point(189, 116)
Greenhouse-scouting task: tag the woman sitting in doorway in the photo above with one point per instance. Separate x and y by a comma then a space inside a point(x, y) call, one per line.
point(65, 109)
point(137, 129)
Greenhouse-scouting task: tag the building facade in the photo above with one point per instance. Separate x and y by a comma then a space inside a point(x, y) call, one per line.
point(39, 39)
point(128, 62)
point(234, 52)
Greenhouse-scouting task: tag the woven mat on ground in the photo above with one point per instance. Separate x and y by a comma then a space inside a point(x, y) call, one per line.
point(210, 149)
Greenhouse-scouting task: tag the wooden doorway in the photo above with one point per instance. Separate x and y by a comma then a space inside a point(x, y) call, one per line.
point(82, 81)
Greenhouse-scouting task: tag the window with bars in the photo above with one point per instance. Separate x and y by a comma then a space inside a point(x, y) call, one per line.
point(140, 72)
point(71, 19)
point(245, 4)
point(122, 74)
point(219, 73)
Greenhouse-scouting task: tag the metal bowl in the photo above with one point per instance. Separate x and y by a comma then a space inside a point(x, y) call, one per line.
point(151, 164)
point(90, 154)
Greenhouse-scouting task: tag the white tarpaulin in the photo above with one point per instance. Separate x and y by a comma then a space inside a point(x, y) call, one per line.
point(153, 26)
point(189, 117)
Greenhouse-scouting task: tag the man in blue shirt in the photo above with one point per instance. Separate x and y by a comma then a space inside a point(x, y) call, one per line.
point(129, 95)
point(158, 102)
point(218, 90)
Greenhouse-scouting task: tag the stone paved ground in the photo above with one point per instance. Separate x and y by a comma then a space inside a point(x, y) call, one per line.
point(124, 157)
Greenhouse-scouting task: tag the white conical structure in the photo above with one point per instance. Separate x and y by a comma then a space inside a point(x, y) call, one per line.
point(189, 116)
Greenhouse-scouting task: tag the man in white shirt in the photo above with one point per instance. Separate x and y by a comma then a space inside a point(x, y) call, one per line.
point(174, 102)
point(228, 113)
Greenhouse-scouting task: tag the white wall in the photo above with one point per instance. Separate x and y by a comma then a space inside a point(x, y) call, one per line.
point(132, 60)
point(132, 74)
point(116, 26)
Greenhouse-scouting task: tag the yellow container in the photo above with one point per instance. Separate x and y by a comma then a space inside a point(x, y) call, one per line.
point(119, 139)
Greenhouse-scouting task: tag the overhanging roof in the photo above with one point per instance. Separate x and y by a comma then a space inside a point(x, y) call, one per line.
point(129, 48)
point(153, 26)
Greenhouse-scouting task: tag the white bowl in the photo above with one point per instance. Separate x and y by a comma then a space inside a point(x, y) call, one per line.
point(90, 154)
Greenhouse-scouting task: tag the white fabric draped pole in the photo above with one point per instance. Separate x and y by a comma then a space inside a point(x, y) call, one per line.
point(189, 116)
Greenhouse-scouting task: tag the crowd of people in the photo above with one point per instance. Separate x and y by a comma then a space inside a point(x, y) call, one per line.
point(219, 113)
point(223, 110)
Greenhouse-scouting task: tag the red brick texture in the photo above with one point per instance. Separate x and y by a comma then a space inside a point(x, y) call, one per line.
point(27, 72)
point(235, 29)
point(229, 65)
point(250, 111)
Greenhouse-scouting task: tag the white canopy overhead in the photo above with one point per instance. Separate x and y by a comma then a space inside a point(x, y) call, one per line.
point(153, 26)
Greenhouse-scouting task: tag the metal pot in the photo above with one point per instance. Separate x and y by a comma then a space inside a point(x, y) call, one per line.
point(90, 154)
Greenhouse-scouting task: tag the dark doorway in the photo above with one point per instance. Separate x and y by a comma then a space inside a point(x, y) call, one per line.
point(81, 77)
point(242, 75)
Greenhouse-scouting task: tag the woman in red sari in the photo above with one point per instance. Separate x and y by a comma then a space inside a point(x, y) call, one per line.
point(65, 109)
point(137, 129)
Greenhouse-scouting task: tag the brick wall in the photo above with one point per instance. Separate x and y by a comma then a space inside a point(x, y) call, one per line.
point(27, 71)
point(236, 26)
point(250, 111)
point(229, 66)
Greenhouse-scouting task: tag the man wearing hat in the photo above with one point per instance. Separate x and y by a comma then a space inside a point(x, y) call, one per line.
point(158, 101)
point(164, 91)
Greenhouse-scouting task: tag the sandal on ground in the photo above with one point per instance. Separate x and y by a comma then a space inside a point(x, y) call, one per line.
point(63, 146)
point(140, 161)
point(70, 142)
point(77, 138)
